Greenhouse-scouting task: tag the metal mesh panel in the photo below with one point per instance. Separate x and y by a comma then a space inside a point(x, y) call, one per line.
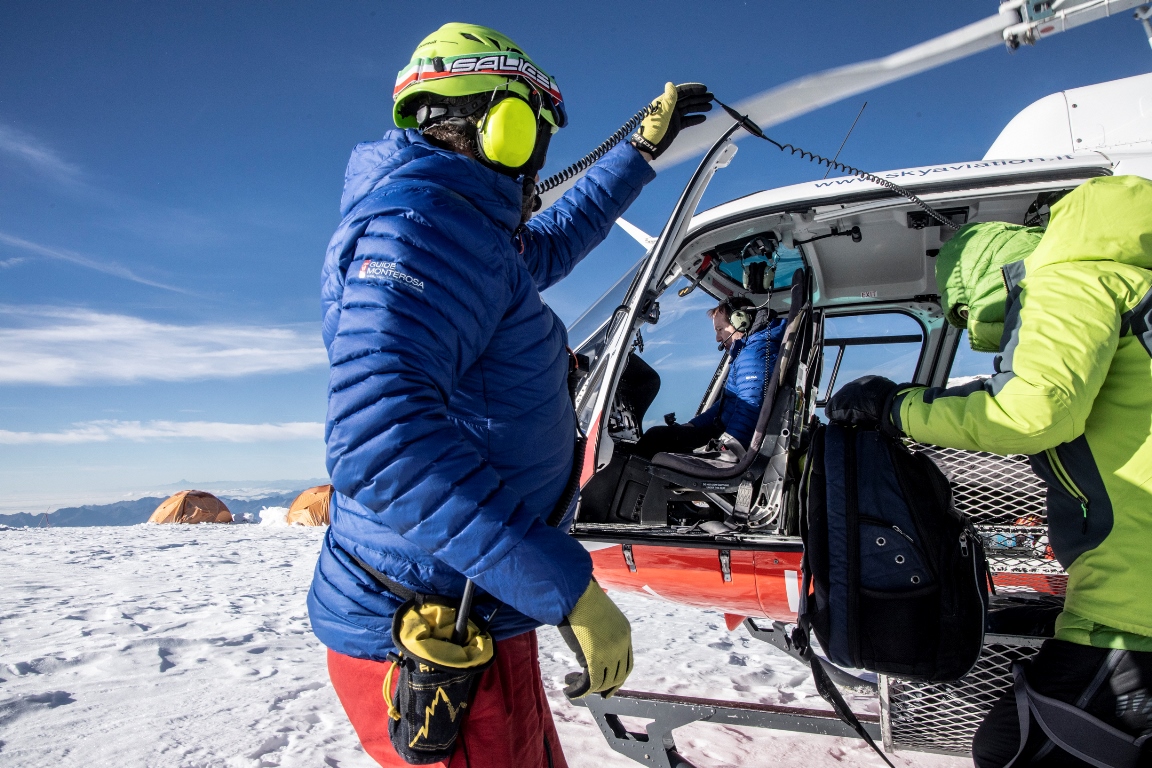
point(1006, 502)
point(943, 717)
point(993, 490)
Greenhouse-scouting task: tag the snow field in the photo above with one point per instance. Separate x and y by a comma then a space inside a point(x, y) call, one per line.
point(190, 646)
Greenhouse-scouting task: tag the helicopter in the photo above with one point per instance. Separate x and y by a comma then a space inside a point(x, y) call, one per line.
point(849, 262)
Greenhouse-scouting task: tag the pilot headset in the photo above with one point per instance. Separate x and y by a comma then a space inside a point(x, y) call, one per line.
point(740, 318)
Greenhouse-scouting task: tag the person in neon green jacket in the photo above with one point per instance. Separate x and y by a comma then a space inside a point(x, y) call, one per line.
point(1069, 310)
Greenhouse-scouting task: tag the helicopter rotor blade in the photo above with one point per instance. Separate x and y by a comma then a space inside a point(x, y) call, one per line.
point(806, 94)
point(810, 93)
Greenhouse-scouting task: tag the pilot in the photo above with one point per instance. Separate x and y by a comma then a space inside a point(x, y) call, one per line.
point(450, 433)
point(1069, 311)
point(752, 340)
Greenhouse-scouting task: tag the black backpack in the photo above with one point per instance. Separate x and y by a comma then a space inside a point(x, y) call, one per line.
point(895, 579)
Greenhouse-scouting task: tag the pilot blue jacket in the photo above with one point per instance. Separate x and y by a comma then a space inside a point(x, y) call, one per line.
point(450, 430)
point(753, 358)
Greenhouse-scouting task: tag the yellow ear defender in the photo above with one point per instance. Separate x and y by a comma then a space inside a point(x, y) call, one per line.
point(506, 135)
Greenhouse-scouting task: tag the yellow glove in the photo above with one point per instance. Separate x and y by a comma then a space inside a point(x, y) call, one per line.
point(679, 107)
point(599, 635)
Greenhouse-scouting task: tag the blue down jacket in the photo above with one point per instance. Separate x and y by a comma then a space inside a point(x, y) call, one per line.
point(450, 431)
point(753, 358)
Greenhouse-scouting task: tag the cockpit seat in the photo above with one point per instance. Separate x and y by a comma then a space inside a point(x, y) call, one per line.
point(727, 453)
point(716, 468)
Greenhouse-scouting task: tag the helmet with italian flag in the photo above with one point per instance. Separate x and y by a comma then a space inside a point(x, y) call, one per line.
point(460, 60)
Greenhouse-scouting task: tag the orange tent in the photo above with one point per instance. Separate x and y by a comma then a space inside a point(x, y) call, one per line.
point(310, 507)
point(191, 507)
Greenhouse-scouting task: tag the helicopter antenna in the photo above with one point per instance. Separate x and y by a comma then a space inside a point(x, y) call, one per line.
point(836, 156)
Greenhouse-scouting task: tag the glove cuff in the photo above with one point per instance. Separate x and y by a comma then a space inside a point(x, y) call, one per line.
point(643, 144)
point(888, 424)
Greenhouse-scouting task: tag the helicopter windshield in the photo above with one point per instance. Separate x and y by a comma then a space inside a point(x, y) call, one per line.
point(585, 333)
point(788, 260)
point(588, 324)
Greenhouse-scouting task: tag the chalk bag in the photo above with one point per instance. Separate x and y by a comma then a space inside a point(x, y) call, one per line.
point(437, 679)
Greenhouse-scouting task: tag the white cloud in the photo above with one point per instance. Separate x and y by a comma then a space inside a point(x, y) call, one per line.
point(210, 431)
point(148, 218)
point(37, 155)
point(107, 267)
point(70, 347)
point(681, 362)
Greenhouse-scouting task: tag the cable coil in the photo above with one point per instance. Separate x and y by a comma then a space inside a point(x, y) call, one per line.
point(838, 166)
point(792, 149)
point(583, 163)
point(633, 123)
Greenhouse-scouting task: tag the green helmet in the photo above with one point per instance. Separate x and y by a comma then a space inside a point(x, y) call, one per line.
point(468, 59)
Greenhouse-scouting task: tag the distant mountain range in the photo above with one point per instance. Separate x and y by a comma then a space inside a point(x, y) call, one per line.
point(135, 511)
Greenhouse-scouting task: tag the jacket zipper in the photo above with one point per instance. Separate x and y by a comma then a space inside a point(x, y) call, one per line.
point(1070, 486)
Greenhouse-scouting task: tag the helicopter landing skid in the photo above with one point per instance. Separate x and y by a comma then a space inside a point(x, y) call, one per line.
point(655, 746)
point(780, 637)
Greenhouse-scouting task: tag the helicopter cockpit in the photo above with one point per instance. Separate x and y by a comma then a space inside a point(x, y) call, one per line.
point(850, 262)
point(708, 491)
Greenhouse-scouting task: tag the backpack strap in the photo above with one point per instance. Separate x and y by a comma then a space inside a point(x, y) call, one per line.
point(824, 685)
point(572, 489)
point(1071, 728)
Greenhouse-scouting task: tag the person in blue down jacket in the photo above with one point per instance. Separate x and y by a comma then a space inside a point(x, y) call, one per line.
point(752, 341)
point(450, 430)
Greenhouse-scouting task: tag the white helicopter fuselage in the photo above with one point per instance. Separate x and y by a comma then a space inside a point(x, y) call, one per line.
point(870, 254)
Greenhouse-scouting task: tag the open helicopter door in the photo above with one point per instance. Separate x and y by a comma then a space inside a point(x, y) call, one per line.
point(595, 396)
point(737, 561)
point(701, 529)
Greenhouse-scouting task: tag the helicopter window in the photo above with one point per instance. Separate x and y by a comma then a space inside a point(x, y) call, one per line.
point(682, 349)
point(882, 343)
point(968, 363)
point(586, 330)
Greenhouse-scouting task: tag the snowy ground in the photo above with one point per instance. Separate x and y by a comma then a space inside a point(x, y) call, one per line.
point(190, 646)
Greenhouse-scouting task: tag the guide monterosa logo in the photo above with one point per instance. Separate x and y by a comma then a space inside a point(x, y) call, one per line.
point(388, 270)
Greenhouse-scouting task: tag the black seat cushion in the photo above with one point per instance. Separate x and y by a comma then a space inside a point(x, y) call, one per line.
point(693, 463)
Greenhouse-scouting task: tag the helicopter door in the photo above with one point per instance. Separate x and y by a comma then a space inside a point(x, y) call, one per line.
point(887, 341)
point(596, 396)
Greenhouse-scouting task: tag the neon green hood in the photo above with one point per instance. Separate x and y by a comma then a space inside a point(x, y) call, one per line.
point(968, 275)
point(1106, 219)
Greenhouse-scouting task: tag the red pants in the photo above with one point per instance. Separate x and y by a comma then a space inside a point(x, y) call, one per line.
point(509, 724)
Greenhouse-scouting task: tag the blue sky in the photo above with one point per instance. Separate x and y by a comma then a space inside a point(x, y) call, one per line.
point(170, 174)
